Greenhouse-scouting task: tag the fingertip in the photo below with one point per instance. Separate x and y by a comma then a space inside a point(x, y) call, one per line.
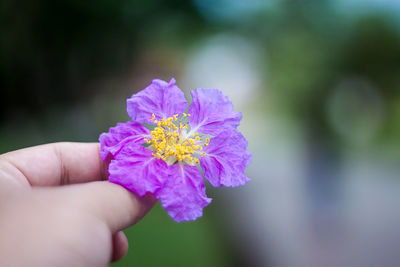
point(120, 246)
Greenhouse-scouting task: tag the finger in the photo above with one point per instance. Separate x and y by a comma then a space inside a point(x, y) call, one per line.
point(54, 164)
point(120, 246)
point(111, 203)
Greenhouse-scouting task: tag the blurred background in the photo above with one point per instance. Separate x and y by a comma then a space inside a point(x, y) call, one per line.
point(318, 82)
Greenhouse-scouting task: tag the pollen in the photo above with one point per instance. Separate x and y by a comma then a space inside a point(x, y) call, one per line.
point(170, 142)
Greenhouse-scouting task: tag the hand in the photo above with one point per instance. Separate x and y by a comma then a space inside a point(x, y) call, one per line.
point(45, 224)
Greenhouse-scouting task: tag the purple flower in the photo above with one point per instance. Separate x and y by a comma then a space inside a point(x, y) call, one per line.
point(165, 161)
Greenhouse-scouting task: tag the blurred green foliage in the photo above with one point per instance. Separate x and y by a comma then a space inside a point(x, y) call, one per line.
point(51, 50)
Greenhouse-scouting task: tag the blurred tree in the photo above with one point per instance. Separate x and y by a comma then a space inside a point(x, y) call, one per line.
point(312, 52)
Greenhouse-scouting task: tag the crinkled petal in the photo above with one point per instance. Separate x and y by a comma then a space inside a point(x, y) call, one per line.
point(184, 195)
point(159, 98)
point(211, 112)
point(137, 170)
point(113, 141)
point(225, 159)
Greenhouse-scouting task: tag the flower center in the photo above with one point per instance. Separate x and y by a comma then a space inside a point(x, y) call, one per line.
point(170, 141)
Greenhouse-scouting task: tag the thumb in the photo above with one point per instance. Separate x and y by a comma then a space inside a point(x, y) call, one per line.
point(111, 203)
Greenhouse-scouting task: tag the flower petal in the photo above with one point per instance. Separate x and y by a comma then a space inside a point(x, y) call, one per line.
point(225, 159)
point(184, 195)
point(211, 112)
point(113, 141)
point(159, 98)
point(137, 170)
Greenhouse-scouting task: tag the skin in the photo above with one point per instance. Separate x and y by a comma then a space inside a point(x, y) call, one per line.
point(56, 209)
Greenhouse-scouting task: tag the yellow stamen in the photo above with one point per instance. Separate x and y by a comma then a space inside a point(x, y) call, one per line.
point(170, 143)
